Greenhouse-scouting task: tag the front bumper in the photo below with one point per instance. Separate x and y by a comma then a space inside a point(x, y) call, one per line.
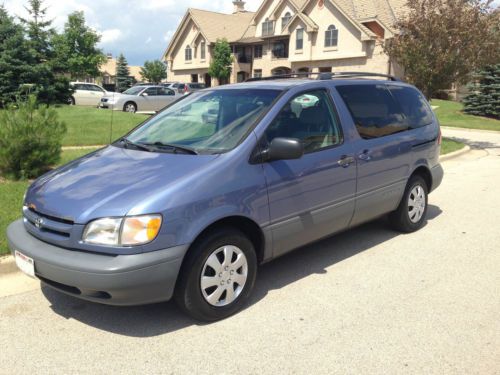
point(115, 280)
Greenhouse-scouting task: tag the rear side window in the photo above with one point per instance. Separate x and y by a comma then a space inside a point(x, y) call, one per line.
point(373, 109)
point(413, 104)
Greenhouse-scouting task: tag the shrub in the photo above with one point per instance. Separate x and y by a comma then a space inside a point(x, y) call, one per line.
point(30, 139)
point(484, 96)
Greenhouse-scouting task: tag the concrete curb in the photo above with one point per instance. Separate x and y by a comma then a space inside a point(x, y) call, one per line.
point(451, 128)
point(7, 265)
point(454, 154)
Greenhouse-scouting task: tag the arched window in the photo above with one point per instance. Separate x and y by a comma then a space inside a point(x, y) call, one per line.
point(285, 19)
point(267, 27)
point(331, 36)
point(188, 53)
point(202, 50)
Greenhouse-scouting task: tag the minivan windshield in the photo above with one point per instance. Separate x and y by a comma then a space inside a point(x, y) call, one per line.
point(212, 121)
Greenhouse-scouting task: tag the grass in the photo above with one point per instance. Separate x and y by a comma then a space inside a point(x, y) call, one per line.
point(11, 196)
point(448, 145)
point(450, 113)
point(92, 126)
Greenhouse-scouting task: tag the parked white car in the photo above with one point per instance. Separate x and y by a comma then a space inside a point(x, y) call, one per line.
point(139, 98)
point(88, 94)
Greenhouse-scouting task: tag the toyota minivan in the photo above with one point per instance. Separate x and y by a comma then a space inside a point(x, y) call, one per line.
point(185, 208)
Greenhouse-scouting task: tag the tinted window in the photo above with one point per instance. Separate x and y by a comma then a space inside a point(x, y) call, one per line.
point(152, 91)
point(373, 109)
point(413, 104)
point(308, 117)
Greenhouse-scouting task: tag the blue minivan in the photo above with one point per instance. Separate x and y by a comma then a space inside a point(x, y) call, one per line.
point(188, 208)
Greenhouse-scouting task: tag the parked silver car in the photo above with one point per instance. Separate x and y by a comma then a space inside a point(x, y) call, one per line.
point(139, 98)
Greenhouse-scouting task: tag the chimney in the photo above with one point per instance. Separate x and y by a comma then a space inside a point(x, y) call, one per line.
point(109, 56)
point(239, 6)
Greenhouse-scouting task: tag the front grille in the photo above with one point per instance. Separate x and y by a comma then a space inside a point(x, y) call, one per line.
point(47, 227)
point(104, 100)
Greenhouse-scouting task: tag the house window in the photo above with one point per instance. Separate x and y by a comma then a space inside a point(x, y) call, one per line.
point(188, 53)
point(280, 49)
point(331, 36)
point(299, 39)
point(202, 50)
point(267, 27)
point(285, 19)
point(257, 73)
point(257, 51)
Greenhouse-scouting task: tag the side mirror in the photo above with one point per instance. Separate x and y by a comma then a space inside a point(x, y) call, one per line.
point(284, 149)
point(144, 94)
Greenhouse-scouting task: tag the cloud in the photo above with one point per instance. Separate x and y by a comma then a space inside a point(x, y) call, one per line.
point(149, 40)
point(110, 36)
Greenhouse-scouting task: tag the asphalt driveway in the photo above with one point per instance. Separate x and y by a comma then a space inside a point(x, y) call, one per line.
point(366, 301)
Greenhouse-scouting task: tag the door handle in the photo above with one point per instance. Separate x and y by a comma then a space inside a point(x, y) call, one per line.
point(345, 161)
point(365, 155)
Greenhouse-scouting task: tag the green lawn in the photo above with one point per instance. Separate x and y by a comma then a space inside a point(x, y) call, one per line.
point(450, 113)
point(92, 126)
point(449, 145)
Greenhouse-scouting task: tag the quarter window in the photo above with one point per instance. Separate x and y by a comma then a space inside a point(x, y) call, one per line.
point(413, 104)
point(331, 36)
point(310, 118)
point(373, 109)
point(188, 53)
point(299, 40)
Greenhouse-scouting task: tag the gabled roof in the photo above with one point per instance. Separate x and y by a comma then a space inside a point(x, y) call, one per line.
point(212, 26)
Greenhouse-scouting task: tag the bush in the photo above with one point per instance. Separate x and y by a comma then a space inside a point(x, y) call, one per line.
point(30, 139)
point(484, 96)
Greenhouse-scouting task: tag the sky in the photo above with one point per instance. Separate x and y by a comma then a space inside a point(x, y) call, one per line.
point(140, 29)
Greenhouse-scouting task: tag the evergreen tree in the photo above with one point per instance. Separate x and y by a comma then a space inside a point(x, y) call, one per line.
point(123, 79)
point(484, 96)
point(16, 61)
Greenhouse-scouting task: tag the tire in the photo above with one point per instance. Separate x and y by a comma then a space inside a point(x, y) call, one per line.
point(130, 107)
point(411, 212)
point(212, 301)
point(71, 100)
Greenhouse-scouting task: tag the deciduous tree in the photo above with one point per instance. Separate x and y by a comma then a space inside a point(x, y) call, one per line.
point(154, 71)
point(441, 42)
point(220, 66)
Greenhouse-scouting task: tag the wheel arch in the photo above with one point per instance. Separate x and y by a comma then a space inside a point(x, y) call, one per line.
point(425, 173)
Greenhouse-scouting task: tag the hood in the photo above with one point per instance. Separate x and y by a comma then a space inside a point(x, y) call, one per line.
point(110, 182)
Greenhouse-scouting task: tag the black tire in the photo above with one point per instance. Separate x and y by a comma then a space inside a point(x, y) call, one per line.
point(188, 293)
point(71, 100)
point(130, 107)
point(400, 219)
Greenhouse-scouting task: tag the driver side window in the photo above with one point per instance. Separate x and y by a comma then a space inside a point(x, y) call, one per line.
point(310, 118)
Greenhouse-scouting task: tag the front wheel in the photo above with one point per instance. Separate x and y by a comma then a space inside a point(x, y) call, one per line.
point(411, 212)
point(217, 276)
point(130, 107)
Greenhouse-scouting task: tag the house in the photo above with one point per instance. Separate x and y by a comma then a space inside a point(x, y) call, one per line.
point(286, 36)
point(108, 71)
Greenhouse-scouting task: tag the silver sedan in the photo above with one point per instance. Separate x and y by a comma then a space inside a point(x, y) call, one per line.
point(139, 98)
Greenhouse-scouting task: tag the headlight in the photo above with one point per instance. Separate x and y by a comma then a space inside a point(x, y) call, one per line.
point(128, 231)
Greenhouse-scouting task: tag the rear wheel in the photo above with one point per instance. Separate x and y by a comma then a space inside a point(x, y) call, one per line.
point(411, 212)
point(71, 100)
point(217, 276)
point(130, 107)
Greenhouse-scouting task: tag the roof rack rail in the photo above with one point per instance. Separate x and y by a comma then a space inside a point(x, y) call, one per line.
point(323, 76)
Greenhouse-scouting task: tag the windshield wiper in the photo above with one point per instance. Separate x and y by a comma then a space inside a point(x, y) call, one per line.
point(128, 143)
point(173, 147)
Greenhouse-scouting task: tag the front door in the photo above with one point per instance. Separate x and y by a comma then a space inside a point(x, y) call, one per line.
point(313, 196)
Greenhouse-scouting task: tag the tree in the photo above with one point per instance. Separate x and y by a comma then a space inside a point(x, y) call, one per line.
point(48, 85)
point(123, 79)
point(16, 61)
point(76, 49)
point(220, 66)
point(484, 96)
point(441, 42)
point(154, 71)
